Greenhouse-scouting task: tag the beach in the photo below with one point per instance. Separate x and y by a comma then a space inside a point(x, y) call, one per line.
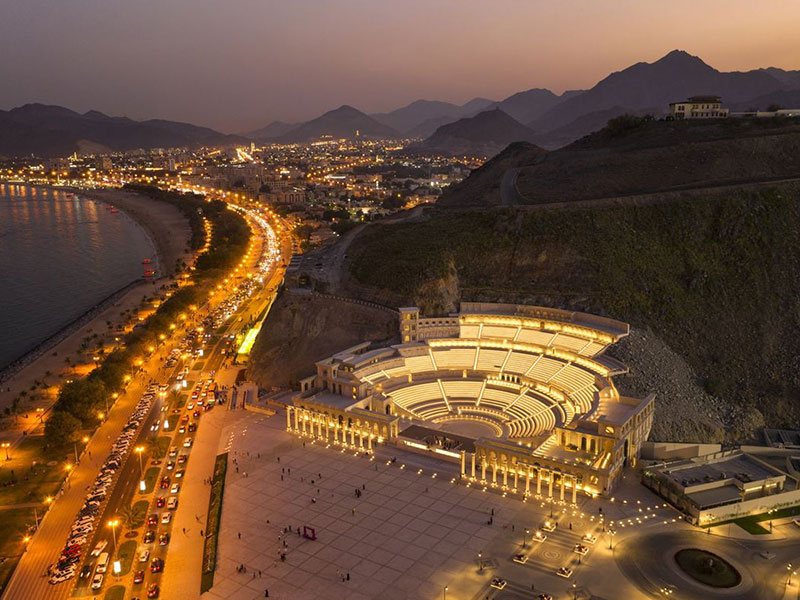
point(169, 231)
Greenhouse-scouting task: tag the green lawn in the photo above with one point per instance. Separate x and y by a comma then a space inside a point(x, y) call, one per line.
point(139, 510)
point(125, 555)
point(34, 471)
point(116, 592)
point(754, 524)
point(14, 524)
point(751, 526)
point(150, 477)
point(212, 523)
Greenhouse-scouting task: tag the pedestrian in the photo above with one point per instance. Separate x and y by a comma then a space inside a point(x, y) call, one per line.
point(239, 534)
point(348, 576)
point(266, 593)
point(201, 533)
point(354, 511)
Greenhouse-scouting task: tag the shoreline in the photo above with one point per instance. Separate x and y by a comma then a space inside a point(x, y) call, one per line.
point(168, 232)
point(50, 342)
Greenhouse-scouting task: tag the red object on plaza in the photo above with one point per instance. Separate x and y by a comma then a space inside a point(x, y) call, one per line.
point(309, 532)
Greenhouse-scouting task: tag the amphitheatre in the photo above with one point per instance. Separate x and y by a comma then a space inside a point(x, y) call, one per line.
point(520, 396)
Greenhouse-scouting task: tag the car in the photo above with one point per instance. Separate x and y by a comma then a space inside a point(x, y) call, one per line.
point(498, 583)
point(196, 414)
point(152, 590)
point(152, 520)
point(190, 406)
point(176, 487)
point(101, 545)
point(164, 482)
point(589, 538)
point(185, 419)
point(182, 459)
point(157, 565)
point(166, 518)
point(179, 473)
point(520, 558)
point(192, 427)
point(149, 536)
point(163, 539)
point(170, 465)
point(138, 576)
point(144, 555)
point(160, 501)
point(564, 572)
point(581, 549)
point(538, 536)
point(97, 581)
point(549, 526)
point(173, 451)
point(172, 503)
point(86, 571)
point(181, 429)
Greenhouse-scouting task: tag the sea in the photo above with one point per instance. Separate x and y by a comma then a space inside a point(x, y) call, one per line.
point(60, 255)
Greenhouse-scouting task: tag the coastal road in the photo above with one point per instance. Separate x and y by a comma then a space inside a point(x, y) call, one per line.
point(30, 579)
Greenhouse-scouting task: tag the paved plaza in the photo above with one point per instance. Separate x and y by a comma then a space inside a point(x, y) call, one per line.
point(408, 535)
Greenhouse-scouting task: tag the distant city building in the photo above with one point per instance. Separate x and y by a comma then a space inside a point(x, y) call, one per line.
point(698, 107)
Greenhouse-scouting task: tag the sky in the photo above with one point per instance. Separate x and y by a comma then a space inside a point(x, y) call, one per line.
point(236, 65)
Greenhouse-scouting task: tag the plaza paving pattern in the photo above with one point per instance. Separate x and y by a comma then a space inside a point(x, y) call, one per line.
point(409, 536)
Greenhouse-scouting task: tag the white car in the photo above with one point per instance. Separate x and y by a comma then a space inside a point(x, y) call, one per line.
point(176, 487)
point(187, 442)
point(97, 581)
point(144, 555)
point(166, 518)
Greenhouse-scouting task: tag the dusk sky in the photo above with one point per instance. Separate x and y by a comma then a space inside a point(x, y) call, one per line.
point(239, 64)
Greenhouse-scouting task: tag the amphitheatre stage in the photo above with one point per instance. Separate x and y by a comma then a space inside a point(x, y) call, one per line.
point(520, 397)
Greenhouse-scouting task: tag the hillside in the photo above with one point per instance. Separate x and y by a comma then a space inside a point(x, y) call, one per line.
point(650, 87)
point(343, 122)
point(485, 134)
point(45, 130)
point(714, 277)
point(636, 156)
point(411, 119)
point(268, 132)
point(529, 105)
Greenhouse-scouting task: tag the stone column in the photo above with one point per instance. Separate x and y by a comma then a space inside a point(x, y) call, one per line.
point(505, 476)
point(574, 490)
point(483, 469)
point(473, 464)
point(463, 463)
point(528, 482)
point(494, 472)
point(563, 485)
point(352, 436)
point(369, 442)
point(516, 477)
point(539, 482)
point(288, 418)
point(550, 489)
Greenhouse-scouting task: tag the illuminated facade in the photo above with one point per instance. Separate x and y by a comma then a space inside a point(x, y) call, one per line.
point(520, 396)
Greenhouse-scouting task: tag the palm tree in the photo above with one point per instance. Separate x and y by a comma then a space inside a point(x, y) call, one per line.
point(155, 447)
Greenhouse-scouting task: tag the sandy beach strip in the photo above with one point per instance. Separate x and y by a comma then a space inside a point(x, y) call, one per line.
point(170, 233)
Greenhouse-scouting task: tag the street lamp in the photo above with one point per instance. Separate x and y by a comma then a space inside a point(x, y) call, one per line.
point(113, 524)
point(139, 450)
point(525, 538)
point(6, 445)
point(444, 593)
point(480, 561)
point(611, 533)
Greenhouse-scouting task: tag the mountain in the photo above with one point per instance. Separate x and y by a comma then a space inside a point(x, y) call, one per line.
point(485, 134)
point(789, 79)
point(46, 130)
point(416, 119)
point(652, 86)
point(529, 105)
point(273, 130)
point(782, 98)
point(343, 122)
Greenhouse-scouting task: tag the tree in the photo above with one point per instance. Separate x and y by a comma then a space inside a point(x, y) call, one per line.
point(155, 447)
point(774, 108)
point(61, 428)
